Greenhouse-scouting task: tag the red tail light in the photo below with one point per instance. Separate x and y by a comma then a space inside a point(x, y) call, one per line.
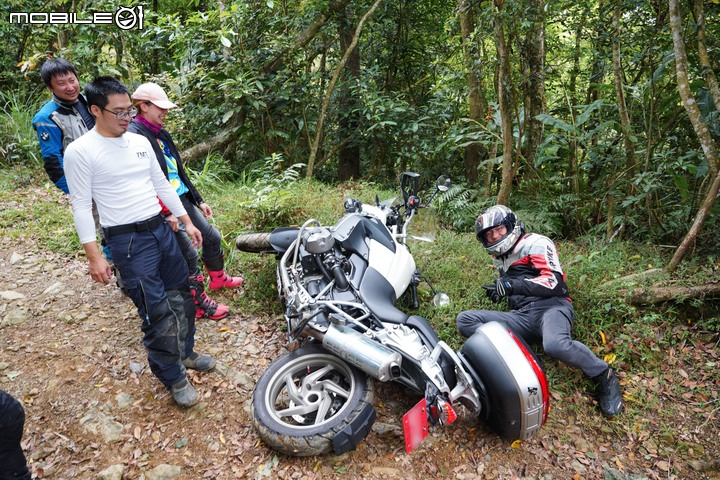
point(539, 373)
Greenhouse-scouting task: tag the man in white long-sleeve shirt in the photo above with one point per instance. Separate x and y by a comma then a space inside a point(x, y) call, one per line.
point(119, 171)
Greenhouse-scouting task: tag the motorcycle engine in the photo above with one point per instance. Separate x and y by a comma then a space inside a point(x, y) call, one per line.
point(318, 240)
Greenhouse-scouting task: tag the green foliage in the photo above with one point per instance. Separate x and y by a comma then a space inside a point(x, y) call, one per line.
point(214, 171)
point(240, 68)
point(18, 143)
point(44, 219)
point(269, 194)
point(17, 177)
point(458, 207)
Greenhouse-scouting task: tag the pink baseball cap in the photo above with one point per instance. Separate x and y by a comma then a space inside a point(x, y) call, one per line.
point(152, 92)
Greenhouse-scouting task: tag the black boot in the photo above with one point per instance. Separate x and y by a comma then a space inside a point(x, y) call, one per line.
point(608, 393)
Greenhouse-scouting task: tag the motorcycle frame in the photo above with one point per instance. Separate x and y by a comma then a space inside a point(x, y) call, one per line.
point(403, 339)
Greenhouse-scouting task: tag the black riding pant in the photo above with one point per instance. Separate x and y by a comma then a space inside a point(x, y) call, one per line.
point(12, 420)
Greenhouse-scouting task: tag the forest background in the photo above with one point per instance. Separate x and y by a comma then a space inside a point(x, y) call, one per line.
point(601, 117)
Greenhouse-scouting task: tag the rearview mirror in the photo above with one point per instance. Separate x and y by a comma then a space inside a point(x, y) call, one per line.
point(443, 183)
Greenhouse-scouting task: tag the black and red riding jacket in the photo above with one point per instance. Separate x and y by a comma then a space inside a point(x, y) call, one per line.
point(534, 267)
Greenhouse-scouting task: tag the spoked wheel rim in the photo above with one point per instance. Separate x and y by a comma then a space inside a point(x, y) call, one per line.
point(310, 391)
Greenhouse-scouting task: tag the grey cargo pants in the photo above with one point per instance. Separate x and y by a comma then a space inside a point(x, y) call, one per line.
point(549, 321)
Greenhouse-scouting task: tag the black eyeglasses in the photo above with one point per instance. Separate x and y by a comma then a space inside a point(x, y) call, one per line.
point(123, 114)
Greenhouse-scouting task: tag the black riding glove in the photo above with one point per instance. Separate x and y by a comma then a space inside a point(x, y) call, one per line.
point(492, 293)
point(504, 286)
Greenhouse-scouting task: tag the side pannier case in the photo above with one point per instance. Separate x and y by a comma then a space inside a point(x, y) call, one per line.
point(516, 390)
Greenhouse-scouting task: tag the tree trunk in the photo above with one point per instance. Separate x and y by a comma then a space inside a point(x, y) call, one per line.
point(119, 54)
point(225, 137)
point(155, 62)
point(489, 170)
point(710, 78)
point(700, 218)
point(572, 94)
point(216, 143)
point(475, 151)
point(505, 104)
point(535, 85)
point(628, 141)
point(701, 130)
point(306, 35)
point(331, 89)
point(349, 155)
point(654, 295)
point(597, 77)
point(62, 39)
point(397, 41)
point(610, 223)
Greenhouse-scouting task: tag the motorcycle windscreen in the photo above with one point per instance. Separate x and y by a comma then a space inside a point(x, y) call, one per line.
point(353, 230)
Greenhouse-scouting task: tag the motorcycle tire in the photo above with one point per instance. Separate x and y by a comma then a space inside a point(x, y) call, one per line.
point(320, 384)
point(254, 242)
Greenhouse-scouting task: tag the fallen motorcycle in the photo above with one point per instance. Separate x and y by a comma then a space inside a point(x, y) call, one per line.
point(339, 286)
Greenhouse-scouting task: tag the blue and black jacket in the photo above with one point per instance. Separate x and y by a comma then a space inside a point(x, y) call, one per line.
point(57, 124)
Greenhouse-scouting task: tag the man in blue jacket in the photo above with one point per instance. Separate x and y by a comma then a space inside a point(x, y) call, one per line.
point(62, 119)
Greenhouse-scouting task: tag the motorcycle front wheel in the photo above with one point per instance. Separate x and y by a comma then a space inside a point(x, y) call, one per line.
point(309, 402)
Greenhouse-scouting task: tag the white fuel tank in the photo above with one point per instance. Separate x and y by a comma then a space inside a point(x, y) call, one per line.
point(397, 267)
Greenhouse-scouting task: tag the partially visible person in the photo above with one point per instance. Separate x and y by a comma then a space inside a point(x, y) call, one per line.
point(13, 465)
point(205, 307)
point(59, 122)
point(533, 282)
point(153, 104)
point(118, 171)
point(62, 119)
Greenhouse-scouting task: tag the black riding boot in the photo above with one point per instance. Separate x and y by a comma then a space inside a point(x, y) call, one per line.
point(608, 393)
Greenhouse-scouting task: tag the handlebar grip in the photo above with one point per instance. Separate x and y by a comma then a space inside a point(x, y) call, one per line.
point(415, 299)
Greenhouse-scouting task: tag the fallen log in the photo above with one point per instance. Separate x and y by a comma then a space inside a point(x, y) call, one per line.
point(655, 295)
point(200, 150)
point(653, 272)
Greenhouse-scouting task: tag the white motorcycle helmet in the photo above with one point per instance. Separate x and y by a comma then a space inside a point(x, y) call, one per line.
point(493, 217)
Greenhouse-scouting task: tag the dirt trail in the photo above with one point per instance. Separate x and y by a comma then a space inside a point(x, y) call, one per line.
point(71, 351)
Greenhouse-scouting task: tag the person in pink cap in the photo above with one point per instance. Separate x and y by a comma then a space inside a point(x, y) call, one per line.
point(152, 104)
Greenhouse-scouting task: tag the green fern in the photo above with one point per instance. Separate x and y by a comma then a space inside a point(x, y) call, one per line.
point(268, 194)
point(458, 207)
point(215, 170)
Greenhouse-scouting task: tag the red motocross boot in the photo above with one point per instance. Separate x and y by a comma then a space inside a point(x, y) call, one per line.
point(220, 279)
point(205, 307)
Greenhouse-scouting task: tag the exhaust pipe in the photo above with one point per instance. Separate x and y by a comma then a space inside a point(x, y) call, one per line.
point(373, 358)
